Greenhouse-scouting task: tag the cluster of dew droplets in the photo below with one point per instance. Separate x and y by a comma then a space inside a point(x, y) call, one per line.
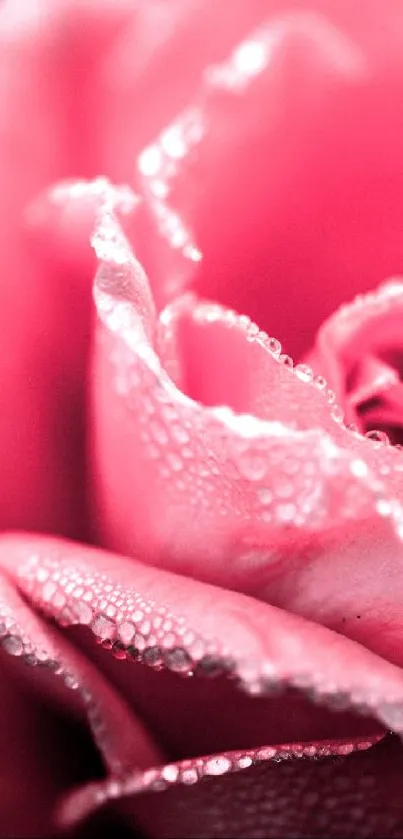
point(305, 374)
point(16, 642)
point(136, 629)
point(122, 620)
point(174, 434)
point(191, 771)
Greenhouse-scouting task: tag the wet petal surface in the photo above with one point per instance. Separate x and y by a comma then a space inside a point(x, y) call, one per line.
point(290, 503)
point(360, 350)
point(146, 620)
point(336, 797)
point(265, 231)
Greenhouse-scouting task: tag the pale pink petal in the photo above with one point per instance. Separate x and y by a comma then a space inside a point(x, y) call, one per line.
point(360, 350)
point(137, 612)
point(287, 508)
point(265, 201)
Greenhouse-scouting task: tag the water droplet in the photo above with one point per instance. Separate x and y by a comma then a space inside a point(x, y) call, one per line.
point(126, 632)
point(304, 373)
point(383, 507)
point(252, 466)
point(244, 762)
point(286, 360)
point(359, 468)
point(12, 644)
point(320, 382)
point(119, 651)
point(274, 346)
point(217, 766)
point(178, 660)
point(159, 432)
point(337, 413)
point(31, 660)
point(377, 436)
point(331, 396)
point(174, 461)
point(210, 666)
point(180, 434)
point(153, 656)
point(145, 627)
point(286, 512)
point(170, 773)
point(266, 753)
point(284, 489)
point(189, 776)
point(345, 749)
point(103, 628)
point(265, 495)
point(83, 613)
point(70, 681)
point(48, 591)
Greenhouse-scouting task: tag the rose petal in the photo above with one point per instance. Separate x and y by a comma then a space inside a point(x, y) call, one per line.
point(25, 637)
point(359, 349)
point(145, 65)
point(134, 609)
point(38, 762)
point(357, 795)
point(220, 358)
point(265, 202)
point(63, 676)
point(281, 512)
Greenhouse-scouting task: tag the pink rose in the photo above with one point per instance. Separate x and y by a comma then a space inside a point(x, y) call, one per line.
point(208, 642)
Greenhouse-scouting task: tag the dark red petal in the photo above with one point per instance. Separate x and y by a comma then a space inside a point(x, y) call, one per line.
point(179, 777)
point(330, 797)
point(62, 676)
point(37, 763)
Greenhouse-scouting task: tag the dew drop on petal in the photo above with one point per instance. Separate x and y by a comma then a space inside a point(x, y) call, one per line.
point(304, 373)
point(178, 660)
point(274, 346)
point(286, 360)
point(217, 766)
point(12, 644)
point(337, 413)
point(265, 496)
point(331, 396)
point(320, 382)
point(174, 461)
point(252, 465)
point(377, 436)
point(83, 613)
point(126, 632)
point(103, 628)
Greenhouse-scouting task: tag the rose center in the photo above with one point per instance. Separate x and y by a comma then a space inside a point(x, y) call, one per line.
point(374, 390)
